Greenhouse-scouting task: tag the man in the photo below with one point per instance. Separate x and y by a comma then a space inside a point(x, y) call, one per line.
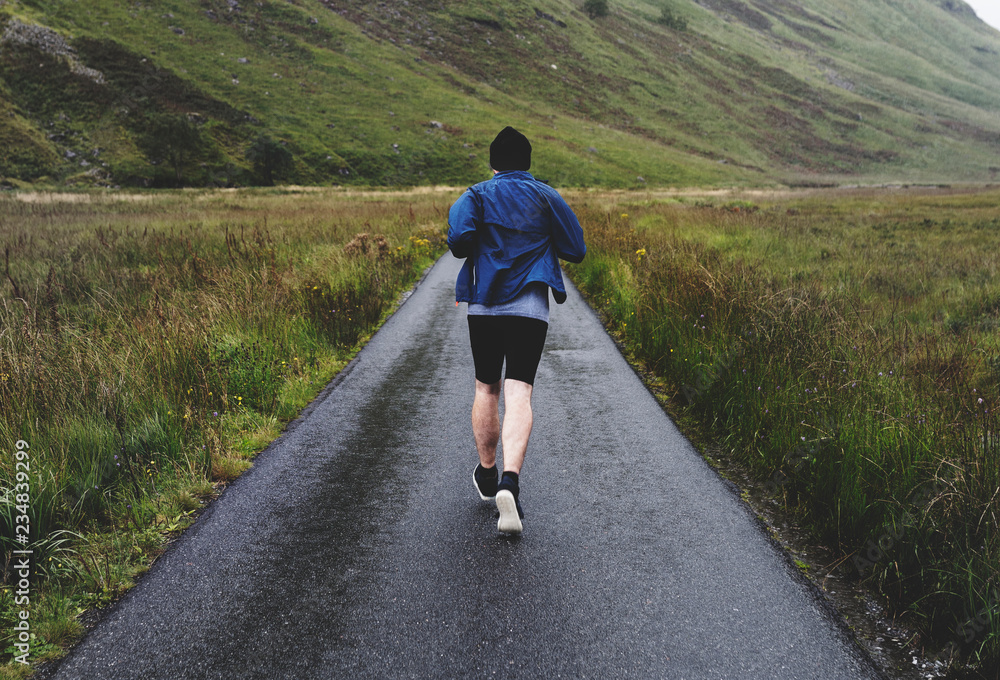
point(512, 230)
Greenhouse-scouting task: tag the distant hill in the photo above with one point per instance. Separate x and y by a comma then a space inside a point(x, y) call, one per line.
point(665, 92)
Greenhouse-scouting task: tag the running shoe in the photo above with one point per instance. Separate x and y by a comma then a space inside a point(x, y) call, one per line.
point(509, 507)
point(485, 481)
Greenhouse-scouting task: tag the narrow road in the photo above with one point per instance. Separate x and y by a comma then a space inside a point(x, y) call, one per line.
point(356, 547)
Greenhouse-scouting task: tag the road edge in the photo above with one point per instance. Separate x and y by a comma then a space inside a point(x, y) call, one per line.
point(94, 617)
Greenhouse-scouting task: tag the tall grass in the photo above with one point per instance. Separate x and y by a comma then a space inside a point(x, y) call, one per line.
point(843, 347)
point(150, 343)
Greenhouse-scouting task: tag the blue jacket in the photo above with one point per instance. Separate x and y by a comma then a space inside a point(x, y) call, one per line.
point(511, 230)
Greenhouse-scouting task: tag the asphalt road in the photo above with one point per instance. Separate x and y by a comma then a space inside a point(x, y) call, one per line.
point(357, 547)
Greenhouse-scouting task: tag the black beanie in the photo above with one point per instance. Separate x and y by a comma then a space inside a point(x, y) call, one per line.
point(510, 151)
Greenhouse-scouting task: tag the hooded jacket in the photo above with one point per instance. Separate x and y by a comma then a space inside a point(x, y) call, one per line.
point(512, 230)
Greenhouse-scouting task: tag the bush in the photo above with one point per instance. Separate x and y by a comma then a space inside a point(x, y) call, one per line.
point(270, 158)
point(671, 20)
point(596, 8)
point(174, 141)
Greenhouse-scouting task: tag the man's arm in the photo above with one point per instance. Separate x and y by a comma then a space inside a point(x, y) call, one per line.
point(462, 219)
point(567, 234)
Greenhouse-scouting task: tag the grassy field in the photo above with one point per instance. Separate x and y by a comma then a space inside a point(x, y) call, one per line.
point(150, 344)
point(843, 347)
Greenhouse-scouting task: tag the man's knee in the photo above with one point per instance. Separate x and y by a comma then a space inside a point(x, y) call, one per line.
point(488, 389)
point(517, 389)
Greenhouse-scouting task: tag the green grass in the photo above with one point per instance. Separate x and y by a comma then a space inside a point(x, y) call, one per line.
point(155, 343)
point(836, 343)
point(843, 347)
point(805, 91)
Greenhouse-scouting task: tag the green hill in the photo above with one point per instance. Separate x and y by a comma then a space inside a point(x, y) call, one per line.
point(228, 92)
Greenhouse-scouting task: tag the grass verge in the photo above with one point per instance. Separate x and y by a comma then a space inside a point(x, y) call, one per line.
point(150, 345)
point(842, 347)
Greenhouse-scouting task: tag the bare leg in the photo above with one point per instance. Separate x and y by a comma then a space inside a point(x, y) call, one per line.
point(517, 421)
point(486, 422)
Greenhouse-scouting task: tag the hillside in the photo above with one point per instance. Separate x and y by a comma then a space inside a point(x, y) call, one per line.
point(224, 92)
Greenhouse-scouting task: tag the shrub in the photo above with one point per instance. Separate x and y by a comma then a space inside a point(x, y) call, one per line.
point(596, 8)
point(270, 158)
point(670, 20)
point(173, 140)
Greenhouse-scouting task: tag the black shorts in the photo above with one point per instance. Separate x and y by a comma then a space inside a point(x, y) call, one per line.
point(518, 339)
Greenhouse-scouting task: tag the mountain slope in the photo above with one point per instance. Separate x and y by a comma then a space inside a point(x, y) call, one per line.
point(166, 92)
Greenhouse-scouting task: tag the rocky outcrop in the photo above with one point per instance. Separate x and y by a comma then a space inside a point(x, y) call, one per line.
point(41, 38)
point(45, 40)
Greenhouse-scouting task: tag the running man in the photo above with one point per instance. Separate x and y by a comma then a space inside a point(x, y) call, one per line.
point(512, 230)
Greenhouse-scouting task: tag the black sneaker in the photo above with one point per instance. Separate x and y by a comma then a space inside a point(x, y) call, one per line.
point(485, 480)
point(509, 506)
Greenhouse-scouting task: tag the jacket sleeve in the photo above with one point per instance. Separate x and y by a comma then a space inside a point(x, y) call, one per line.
point(462, 219)
point(567, 234)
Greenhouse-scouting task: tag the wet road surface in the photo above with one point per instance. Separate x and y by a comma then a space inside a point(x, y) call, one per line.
point(357, 547)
